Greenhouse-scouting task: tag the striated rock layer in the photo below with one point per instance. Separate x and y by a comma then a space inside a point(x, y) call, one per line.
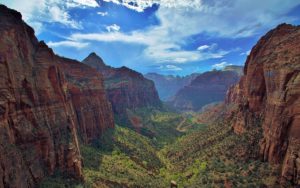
point(46, 104)
point(125, 88)
point(269, 95)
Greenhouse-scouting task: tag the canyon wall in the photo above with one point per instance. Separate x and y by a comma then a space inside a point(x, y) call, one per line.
point(48, 104)
point(126, 88)
point(268, 95)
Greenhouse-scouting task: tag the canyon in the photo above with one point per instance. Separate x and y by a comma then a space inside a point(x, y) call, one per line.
point(64, 123)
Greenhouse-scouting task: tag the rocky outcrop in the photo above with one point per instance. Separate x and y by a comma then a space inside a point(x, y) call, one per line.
point(168, 86)
point(125, 88)
point(269, 96)
point(44, 106)
point(206, 88)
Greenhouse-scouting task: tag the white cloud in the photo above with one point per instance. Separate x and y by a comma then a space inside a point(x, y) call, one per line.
point(73, 44)
point(158, 47)
point(217, 17)
point(88, 3)
point(207, 47)
point(102, 13)
point(203, 47)
point(179, 19)
point(141, 5)
point(38, 12)
point(113, 27)
point(170, 68)
point(60, 16)
point(220, 65)
point(137, 5)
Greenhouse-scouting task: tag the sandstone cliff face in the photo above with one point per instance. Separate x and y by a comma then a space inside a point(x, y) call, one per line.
point(125, 88)
point(206, 88)
point(44, 106)
point(87, 94)
point(269, 96)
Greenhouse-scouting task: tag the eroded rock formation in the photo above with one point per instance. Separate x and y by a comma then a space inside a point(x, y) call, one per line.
point(269, 96)
point(126, 88)
point(46, 104)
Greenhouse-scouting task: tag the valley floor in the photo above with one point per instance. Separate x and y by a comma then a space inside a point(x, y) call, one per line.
point(179, 149)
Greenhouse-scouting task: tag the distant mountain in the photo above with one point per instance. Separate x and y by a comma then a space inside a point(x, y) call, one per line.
point(206, 88)
point(168, 86)
point(125, 88)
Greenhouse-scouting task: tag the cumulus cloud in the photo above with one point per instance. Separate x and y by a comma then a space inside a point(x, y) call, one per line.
point(67, 43)
point(113, 27)
point(158, 47)
point(178, 20)
point(217, 17)
point(181, 19)
point(220, 65)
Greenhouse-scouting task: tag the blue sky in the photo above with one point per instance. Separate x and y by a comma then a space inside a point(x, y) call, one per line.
point(164, 36)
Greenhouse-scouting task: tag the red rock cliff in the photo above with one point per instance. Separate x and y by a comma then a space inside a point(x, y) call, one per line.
point(269, 96)
point(126, 89)
point(45, 103)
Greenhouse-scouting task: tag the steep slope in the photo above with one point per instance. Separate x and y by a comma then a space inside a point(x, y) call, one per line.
point(168, 86)
point(126, 89)
point(206, 88)
point(269, 96)
point(43, 106)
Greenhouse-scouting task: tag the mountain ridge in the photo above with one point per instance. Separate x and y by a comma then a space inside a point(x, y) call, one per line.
point(208, 87)
point(169, 85)
point(126, 89)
